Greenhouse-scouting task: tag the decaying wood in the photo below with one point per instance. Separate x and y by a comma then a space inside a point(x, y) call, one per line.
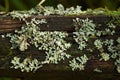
point(55, 23)
point(58, 23)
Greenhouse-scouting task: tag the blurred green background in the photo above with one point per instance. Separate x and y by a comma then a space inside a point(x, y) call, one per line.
point(10, 5)
point(4, 78)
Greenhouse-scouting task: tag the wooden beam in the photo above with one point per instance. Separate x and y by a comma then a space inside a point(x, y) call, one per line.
point(55, 23)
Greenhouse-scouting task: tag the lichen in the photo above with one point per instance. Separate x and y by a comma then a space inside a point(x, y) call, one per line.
point(52, 43)
point(98, 43)
point(27, 64)
point(78, 62)
point(117, 63)
point(118, 40)
point(62, 11)
point(110, 52)
point(105, 56)
point(85, 29)
point(3, 36)
point(101, 44)
point(22, 38)
point(97, 70)
point(23, 15)
point(109, 30)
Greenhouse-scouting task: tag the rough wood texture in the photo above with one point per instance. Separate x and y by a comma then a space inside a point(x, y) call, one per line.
point(60, 71)
point(58, 23)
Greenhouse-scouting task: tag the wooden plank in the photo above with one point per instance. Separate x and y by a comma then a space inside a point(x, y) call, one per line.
point(60, 71)
point(7, 54)
point(60, 75)
point(58, 23)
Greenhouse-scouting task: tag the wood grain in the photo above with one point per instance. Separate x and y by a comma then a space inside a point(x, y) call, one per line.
point(57, 23)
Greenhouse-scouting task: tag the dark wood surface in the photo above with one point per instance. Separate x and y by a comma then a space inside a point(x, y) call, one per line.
point(60, 71)
point(58, 23)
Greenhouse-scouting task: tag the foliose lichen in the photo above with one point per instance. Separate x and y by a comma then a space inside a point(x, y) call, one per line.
point(53, 42)
point(27, 64)
point(62, 11)
point(85, 29)
point(54, 45)
point(97, 70)
point(22, 38)
point(105, 56)
point(98, 43)
point(78, 63)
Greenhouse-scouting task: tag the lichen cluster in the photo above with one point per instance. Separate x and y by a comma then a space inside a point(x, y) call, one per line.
point(24, 37)
point(97, 70)
point(62, 11)
point(111, 51)
point(86, 30)
point(49, 10)
point(26, 65)
point(54, 45)
point(87, 35)
point(52, 42)
point(78, 62)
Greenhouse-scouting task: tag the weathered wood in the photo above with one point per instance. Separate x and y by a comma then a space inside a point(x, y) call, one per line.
point(60, 75)
point(56, 23)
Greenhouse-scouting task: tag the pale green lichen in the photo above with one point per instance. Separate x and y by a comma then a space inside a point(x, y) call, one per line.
point(20, 38)
point(78, 63)
point(118, 40)
point(27, 64)
point(105, 56)
point(98, 43)
point(85, 29)
point(111, 25)
point(114, 55)
point(77, 11)
point(52, 43)
point(3, 36)
point(62, 11)
point(117, 63)
point(112, 51)
point(109, 47)
point(118, 69)
point(97, 70)
point(23, 15)
point(109, 30)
